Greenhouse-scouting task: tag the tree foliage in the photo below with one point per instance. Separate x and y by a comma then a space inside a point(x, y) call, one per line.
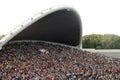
point(1, 36)
point(97, 41)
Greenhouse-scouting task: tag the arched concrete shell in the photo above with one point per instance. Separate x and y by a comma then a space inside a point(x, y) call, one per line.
point(60, 24)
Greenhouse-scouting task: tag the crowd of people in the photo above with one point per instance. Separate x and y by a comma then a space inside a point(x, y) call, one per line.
point(44, 61)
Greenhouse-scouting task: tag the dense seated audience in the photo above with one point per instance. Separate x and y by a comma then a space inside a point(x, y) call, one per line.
point(45, 61)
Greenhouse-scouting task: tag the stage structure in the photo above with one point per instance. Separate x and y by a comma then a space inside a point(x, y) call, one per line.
point(59, 24)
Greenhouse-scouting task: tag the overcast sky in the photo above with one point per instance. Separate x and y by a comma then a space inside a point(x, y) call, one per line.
point(98, 16)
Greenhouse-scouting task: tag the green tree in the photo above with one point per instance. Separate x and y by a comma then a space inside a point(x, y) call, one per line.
point(92, 41)
point(97, 41)
point(1, 36)
point(110, 41)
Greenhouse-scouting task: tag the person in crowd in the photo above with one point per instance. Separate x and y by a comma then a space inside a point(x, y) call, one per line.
point(48, 61)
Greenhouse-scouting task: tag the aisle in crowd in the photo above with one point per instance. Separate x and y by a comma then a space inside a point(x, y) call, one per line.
point(44, 61)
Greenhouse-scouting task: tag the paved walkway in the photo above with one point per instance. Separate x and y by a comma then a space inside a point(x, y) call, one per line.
point(108, 52)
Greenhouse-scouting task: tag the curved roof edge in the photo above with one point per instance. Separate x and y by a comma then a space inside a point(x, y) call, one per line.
point(30, 21)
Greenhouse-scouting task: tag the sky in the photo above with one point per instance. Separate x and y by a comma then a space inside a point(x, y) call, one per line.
point(98, 16)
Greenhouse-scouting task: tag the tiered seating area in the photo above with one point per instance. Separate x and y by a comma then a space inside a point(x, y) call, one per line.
point(45, 61)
